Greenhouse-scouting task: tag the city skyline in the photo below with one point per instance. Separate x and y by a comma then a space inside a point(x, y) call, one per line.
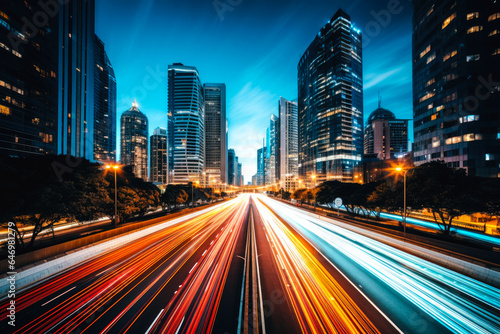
point(271, 74)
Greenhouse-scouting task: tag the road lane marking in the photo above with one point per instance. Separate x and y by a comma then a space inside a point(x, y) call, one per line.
point(150, 327)
point(58, 296)
point(177, 331)
point(192, 268)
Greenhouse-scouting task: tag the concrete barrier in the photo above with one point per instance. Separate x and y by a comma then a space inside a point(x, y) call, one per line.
point(41, 270)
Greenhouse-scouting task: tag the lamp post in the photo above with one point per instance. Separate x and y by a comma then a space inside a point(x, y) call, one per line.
point(115, 167)
point(313, 177)
point(213, 193)
point(405, 171)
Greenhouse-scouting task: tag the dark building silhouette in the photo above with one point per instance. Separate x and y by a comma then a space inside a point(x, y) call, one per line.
point(456, 84)
point(104, 106)
point(330, 102)
point(231, 168)
point(28, 81)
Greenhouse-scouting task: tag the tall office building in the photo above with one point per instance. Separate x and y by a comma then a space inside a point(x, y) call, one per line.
point(385, 136)
point(186, 113)
point(216, 157)
point(231, 169)
point(28, 82)
point(456, 90)
point(262, 165)
point(76, 79)
point(105, 106)
point(330, 102)
point(158, 170)
point(239, 178)
point(134, 141)
point(273, 150)
point(288, 147)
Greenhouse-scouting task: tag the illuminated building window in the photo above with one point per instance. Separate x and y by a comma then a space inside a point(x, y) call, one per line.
point(4, 110)
point(473, 58)
point(427, 96)
point(449, 55)
point(431, 58)
point(474, 29)
point(427, 49)
point(433, 117)
point(496, 52)
point(474, 15)
point(448, 20)
point(493, 17)
point(494, 32)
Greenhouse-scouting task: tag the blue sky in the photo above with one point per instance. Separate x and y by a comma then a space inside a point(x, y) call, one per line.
point(253, 46)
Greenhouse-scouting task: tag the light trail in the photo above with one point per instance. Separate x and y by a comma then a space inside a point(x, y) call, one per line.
point(458, 302)
point(320, 304)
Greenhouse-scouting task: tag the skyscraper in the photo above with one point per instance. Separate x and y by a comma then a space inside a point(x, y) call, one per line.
point(186, 112)
point(273, 151)
point(240, 179)
point(385, 136)
point(28, 82)
point(330, 102)
point(105, 106)
point(231, 168)
point(456, 90)
point(262, 165)
point(134, 141)
point(288, 138)
point(76, 78)
point(216, 157)
point(158, 170)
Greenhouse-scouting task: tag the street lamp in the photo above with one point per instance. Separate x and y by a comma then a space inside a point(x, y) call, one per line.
point(313, 177)
point(115, 167)
point(213, 181)
point(405, 170)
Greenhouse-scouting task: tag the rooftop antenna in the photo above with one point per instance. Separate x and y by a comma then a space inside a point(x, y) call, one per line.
point(135, 103)
point(379, 100)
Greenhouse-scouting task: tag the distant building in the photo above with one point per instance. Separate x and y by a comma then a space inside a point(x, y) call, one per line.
point(239, 176)
point(216, 156)
point(231, 168)
point(456, 91)
point(288, 147)
point(28, 82)
point(385, 136)
point(186, 113)
point(273, 151)
point(158, 170)
point(104, 106)
point(261, 165)
point(76, 79)
point(330, 102)
point(134, 141)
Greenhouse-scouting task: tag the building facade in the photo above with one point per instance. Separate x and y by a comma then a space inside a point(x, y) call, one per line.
point(216, 156)
point(158, 170)
point(104, 106)
point(385, 136)
point(288, 147)
point(273, 152)
point(456, 90)
point(186, 112)
point(28, 82)
point(231, 155)
point(262, 165)
point(239, 178)
point(134, 141)
point(76, 79)
point(330, 102)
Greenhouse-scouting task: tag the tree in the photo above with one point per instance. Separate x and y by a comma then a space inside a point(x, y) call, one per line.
point(388, 196)
point(182, 197)
point(446, 192)
point(299, 195)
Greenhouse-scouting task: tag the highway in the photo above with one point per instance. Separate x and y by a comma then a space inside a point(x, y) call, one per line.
point(256, 265)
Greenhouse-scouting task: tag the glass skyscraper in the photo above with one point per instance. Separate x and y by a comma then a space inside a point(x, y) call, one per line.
point(105, 106)
point(134, 141)
point(158, 171)
point(330, 102)
point(231, 168)
point(216, 160)
point(186, 113)
point(288, 147)
point(76, 79)
point(28, 82)
point(456, 90)
point(273, 151)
